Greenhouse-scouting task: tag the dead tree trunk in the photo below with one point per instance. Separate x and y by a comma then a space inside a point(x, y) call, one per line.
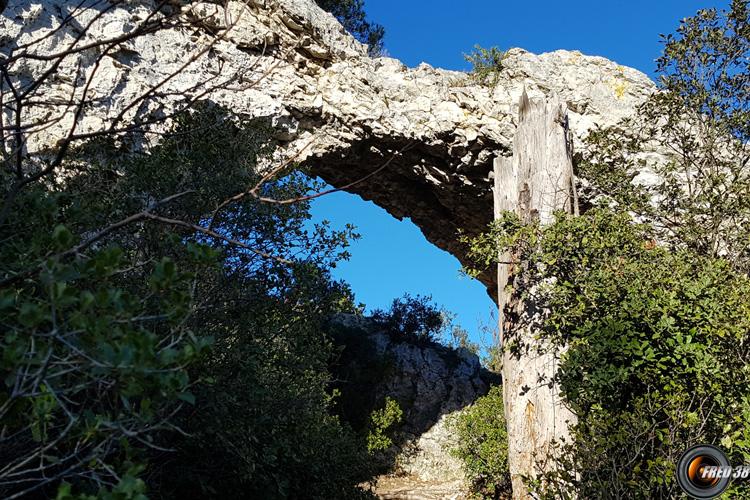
point(534, 183)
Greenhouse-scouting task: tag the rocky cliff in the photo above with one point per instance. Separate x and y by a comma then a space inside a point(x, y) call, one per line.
point(432, 384)
point(343, 113)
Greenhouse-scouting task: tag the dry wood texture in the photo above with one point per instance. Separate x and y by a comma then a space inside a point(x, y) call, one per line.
point(535, 182)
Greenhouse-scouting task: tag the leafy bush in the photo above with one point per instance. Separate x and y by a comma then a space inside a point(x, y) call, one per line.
point(97, 338)
point(483, 445)
point(382, 423)
point(654, 318)
point(486, 65)
point(412, 319)
point(105, 353)
point(659, 337)
point(264, 428)
point(263, 425)
point(455, 337)
point(656, 357)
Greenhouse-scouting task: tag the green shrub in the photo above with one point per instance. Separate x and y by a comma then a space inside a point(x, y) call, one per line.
point(656, 358)
point(483, 445)
point(264, 428)
point(105, 347)
point(486, 65)
point(263, 425)
point(659, 337)
point(97, 339)
point(382, 424)
point(412, 319)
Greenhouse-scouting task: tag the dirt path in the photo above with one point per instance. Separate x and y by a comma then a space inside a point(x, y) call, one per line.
point(411, 488)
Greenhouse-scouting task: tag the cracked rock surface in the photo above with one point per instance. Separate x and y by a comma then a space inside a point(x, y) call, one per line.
point(432, 384)
point(347, 112)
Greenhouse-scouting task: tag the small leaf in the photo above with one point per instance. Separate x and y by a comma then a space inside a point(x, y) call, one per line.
point(62, 236)
point(188, 397)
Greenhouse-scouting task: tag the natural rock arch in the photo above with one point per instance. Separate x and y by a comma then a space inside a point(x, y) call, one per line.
point(349, 112)
point(435, 133)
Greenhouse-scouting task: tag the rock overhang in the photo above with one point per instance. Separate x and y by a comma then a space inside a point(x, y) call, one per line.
point(341, 112)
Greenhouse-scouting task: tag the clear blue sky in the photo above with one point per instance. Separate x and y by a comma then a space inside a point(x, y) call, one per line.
point(393, 257)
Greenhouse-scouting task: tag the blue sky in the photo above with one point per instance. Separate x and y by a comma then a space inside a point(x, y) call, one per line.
point(393, 257)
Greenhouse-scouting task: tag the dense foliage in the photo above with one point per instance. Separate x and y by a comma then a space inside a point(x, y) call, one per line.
point(700, 197)
point(352, 15)
point(412, 319)
point(482, 445)
point(109, 316)
point(657, 349)
point(653, 314)
point(263, 428)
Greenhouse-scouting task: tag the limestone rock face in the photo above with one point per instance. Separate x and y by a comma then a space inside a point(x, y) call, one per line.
point(432, 384)
point(429, 457)
point(349, 113)
point(429, 381)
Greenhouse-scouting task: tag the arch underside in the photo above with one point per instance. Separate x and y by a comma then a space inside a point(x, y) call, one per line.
point(410, 180)
point(290, 62)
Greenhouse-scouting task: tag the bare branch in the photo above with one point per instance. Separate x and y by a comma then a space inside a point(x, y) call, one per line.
point(350, 185)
